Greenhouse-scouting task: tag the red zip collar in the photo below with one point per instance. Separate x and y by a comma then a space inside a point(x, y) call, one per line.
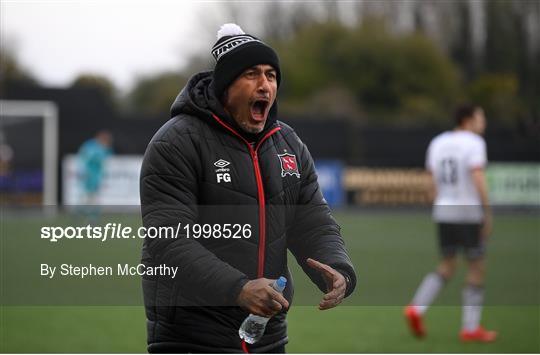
point(260, 189)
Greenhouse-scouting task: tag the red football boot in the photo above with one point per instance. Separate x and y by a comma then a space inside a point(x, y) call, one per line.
point(479, 335)
point(414, 318)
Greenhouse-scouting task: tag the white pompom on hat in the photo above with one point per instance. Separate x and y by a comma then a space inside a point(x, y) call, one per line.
point(229, 29)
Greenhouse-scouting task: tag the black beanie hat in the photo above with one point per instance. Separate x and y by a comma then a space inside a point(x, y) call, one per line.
point(236, 51)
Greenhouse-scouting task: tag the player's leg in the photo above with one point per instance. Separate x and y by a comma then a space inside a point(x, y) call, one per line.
point(92, 185)
point(473, 292)
point(433, 282)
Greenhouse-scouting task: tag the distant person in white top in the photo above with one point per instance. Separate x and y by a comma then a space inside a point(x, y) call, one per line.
point(456, 161)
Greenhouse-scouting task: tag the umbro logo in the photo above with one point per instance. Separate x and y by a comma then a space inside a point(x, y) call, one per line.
point(222, 172)
point(221, 163)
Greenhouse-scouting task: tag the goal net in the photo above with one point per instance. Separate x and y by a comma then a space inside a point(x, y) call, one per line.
point(28, 153)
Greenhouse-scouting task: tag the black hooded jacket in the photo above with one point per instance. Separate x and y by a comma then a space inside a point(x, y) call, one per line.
point(200, 169)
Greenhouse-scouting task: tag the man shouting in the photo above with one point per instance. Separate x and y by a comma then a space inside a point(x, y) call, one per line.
point(224, 161)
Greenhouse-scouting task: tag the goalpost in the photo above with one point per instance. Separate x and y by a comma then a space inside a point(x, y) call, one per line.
point(16, 111)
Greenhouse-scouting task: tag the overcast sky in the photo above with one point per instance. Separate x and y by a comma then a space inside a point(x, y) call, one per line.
point(56, 40)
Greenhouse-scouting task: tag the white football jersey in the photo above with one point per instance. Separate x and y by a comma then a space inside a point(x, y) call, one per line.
point(451, 156)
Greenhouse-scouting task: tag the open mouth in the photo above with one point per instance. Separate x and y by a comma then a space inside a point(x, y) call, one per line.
point(259, 109)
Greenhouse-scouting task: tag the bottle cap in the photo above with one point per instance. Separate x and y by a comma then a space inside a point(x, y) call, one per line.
point(281, 282)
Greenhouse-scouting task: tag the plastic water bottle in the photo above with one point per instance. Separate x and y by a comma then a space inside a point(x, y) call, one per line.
point(252, 328)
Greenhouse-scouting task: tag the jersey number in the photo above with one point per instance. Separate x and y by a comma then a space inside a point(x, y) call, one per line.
point(449, 171)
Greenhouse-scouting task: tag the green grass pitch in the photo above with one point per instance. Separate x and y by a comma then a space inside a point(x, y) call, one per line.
point(391, 251)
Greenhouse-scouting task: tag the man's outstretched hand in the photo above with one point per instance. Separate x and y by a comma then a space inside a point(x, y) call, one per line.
point(335, 283)
point(258, 297)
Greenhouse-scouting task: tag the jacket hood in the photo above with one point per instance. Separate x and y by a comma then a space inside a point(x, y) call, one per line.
point(197, 99)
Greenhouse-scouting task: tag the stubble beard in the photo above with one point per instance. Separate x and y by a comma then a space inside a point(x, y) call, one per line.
point(250, 129)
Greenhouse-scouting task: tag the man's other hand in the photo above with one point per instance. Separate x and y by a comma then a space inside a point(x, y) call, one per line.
point(258, 297)
point(335, 283)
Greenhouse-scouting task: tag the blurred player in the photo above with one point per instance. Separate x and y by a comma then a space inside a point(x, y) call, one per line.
point(456, 161)
point(91, 158)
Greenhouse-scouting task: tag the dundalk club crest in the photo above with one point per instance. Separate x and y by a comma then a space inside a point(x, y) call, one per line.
point(288, 165)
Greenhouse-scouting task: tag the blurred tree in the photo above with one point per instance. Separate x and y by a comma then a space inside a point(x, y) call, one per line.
point(11, 71)
point(330, 102)
point(284, 20)
point(505, 50)
point(400, 76)
point(386, 70)
point(461, 48)
point(498, 95)
point(153, 95)
point(98, 82)
point(198, 63)
point(307, 60)
point(403, 78)
point(508, 51)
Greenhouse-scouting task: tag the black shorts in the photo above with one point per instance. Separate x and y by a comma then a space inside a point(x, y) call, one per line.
point(454, 237)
